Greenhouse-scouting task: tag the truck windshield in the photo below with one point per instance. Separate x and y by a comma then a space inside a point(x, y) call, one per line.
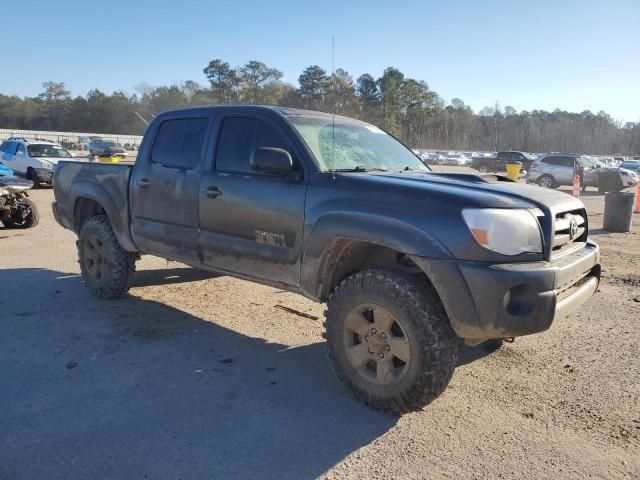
point(344, 144)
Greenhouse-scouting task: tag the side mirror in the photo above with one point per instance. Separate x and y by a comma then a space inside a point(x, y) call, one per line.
point(271, 160)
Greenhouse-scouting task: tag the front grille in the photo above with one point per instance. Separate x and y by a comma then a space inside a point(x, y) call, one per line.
point(570, 231)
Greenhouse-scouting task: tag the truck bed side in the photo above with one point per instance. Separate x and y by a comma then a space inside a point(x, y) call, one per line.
point(82, 189)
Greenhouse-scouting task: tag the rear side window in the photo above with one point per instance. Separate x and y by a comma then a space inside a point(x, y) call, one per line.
point(558, 161)
point(178, 143)
point(239, 137)
point(567, 161)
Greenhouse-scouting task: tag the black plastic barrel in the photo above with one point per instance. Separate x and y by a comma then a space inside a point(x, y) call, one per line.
point(618, 210)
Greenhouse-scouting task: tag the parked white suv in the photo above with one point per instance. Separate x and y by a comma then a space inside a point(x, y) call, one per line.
point(33, 160)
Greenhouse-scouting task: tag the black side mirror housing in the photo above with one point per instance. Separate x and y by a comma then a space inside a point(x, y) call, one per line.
point(271, 160)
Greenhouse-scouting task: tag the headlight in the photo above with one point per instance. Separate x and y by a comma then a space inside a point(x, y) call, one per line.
point(506, 231)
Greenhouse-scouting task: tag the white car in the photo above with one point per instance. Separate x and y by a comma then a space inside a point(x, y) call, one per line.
point(457, 159)
point(33, 160)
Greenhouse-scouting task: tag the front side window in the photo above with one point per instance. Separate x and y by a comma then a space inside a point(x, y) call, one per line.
point(21, 149)
point(178, 143)
point(239, 137)
point(340, 143)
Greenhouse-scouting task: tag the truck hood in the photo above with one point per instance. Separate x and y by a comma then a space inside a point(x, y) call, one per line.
point(489, 190)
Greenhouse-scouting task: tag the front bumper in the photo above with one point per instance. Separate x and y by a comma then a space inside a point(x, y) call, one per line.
point(44, 176)
point(486, 300)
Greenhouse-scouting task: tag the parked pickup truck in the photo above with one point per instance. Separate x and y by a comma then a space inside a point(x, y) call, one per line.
point(408, 261)
point(498, 163)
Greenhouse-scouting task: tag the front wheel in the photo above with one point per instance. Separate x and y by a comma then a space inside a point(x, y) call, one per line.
point(107, 269)
point(25, 216)
point(31, 175)
point(390, 340)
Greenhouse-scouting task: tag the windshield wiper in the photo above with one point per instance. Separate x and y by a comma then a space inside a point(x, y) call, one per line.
point(415, 169)
point(359, 168)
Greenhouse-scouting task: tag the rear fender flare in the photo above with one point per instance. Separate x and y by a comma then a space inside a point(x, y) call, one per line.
point(117, 219)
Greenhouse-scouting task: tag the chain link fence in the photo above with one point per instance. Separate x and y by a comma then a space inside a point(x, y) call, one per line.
point(72, 140)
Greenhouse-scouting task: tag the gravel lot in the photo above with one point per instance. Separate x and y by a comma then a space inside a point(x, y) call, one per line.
point(194, 376)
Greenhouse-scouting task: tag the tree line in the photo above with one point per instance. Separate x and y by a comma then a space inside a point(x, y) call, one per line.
point(403, 106)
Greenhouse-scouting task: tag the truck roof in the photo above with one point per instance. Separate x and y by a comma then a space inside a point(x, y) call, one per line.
point(284, 111)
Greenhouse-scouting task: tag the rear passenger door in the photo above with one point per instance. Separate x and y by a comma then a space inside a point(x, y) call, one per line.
point(164, 189)
point(566, 170)
point(251, 223)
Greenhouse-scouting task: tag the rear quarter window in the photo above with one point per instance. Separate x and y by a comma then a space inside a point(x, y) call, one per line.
point(178, 143)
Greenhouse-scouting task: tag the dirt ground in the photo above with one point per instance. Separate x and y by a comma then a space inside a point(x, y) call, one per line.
point(194, 376)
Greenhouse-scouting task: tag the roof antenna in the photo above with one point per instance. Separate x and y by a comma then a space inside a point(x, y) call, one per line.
point(333, 107)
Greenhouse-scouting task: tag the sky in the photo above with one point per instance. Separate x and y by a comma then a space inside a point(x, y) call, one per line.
point(538, 54)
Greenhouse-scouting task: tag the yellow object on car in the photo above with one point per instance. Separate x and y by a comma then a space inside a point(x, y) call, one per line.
point(111, 159)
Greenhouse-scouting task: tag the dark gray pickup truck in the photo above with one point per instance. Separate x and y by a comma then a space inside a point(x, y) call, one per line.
point(408, 261)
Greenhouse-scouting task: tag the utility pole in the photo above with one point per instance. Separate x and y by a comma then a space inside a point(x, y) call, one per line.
point(495, 125)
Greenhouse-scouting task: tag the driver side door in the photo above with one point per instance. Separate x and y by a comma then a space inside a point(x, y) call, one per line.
point(251, 223)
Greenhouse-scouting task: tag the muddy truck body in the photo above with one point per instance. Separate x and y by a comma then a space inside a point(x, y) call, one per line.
point(409, 262)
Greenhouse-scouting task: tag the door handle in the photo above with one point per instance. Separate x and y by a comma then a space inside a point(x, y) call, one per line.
point(143, 183)
point(211, 192)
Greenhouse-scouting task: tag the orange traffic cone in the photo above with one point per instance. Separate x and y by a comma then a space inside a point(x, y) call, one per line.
point(576, 186)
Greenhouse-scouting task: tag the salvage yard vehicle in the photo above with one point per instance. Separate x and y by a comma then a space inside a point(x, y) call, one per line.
point(16, 210)
point(34, 160)
point(105, 148)
point(559, 169)
point(498, 162)
point(408, 261)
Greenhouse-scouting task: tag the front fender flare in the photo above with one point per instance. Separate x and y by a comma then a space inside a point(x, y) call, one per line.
point(385, 231)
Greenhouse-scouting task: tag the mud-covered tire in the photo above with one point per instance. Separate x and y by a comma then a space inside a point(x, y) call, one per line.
point(107, 269)
point(31, 219)
point(419, 311)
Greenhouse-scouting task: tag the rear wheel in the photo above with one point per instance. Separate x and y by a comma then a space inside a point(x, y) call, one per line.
point(106, 267)
point(546, 181)
point(389, 340)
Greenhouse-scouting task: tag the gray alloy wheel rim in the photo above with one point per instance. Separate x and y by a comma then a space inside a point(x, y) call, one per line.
point(94, 258)
point(546, 182)
point(376, 344)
